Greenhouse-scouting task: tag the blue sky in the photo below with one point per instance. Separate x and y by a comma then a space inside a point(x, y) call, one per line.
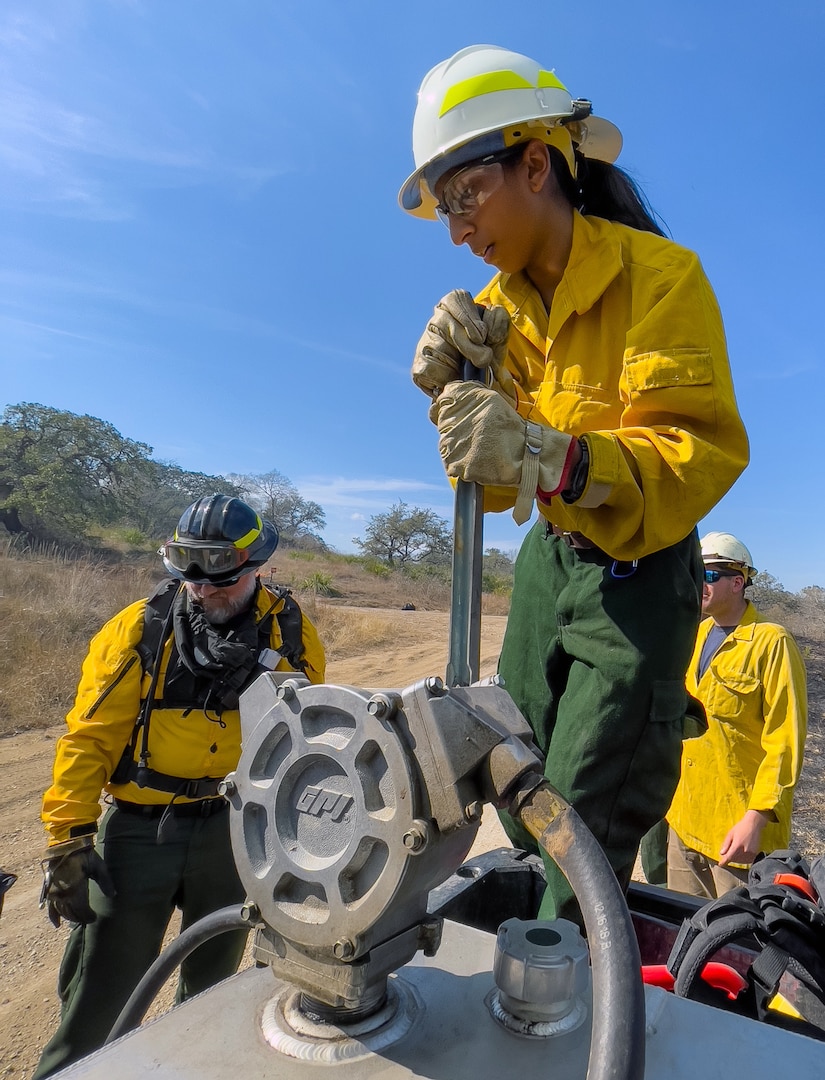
point(200, 243)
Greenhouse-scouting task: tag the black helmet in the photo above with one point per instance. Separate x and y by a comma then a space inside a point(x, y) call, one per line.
point(218, 540)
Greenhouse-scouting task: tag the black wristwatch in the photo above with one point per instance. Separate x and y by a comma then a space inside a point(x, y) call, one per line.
point(578, 479)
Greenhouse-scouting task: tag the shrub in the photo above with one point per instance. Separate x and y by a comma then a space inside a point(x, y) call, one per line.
point(320, 584)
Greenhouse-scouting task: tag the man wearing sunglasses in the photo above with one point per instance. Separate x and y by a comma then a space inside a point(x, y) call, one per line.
point(156, 726)
point(735, 795)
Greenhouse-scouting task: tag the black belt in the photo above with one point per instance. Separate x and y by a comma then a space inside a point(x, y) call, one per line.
point(201, 808)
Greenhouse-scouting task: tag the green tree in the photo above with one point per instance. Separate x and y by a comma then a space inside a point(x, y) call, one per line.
point(61, 475)
point(154, 497)
point(276, 498)
point(496, 571)
point(771, 596)
point(406, 535)
point(59, 472)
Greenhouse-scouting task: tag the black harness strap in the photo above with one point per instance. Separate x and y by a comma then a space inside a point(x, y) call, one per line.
point(157, 626)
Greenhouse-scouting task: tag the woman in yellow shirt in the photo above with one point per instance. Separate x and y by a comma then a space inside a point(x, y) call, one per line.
point(608, 400)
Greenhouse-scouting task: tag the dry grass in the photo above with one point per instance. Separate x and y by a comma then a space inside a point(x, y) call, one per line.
point(347, 632)
point(49, 608)
point(51, 605)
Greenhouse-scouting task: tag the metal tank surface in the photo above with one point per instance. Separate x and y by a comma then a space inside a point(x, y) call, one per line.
point(452, 1037)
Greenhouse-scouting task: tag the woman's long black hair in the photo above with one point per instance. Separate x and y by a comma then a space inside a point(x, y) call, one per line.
point(604, 190)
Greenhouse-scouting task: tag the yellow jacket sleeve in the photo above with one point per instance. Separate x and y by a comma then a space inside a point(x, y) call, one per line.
point(632, 356)
point(680, 443)
point(785, 714)
point(98, 726)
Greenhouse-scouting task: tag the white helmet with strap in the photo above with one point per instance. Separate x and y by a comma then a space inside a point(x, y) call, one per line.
point(725, 549)
point(485, 99)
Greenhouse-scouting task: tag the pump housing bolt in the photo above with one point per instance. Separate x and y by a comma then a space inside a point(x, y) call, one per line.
point(414, 839)
point(344, 949)
point(250, 912)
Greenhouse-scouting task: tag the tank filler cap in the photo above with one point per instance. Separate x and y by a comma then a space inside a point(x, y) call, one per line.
point(542, 975)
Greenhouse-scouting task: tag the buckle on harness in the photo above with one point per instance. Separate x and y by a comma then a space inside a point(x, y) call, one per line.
point(197, 789)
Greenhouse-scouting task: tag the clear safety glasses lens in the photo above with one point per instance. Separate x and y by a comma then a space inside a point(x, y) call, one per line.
point(209, 560)
point(469, 189)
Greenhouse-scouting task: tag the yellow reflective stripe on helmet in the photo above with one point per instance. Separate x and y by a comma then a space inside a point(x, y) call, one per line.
point(253, 534)
point(490, 82)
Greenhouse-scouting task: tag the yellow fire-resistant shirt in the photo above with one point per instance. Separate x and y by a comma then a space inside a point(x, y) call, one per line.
point(633, 355)
point(755, 697)
point(112, 686)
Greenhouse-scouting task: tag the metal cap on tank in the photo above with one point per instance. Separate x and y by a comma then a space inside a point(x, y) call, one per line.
point(542, 971)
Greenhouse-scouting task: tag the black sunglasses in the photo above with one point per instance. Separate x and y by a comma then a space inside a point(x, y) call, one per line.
point(712, 576)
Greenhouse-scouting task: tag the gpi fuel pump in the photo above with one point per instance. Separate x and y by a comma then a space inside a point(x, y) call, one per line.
point(348, 806)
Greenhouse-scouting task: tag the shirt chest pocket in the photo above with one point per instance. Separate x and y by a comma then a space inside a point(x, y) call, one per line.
point(735, 696)
point(577, 407)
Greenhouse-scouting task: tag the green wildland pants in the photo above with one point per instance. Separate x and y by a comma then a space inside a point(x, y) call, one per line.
point(193, 870)
point(594, 656)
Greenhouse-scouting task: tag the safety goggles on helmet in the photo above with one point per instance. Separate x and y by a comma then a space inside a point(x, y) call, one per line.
point(202, 562)
point(472, 186)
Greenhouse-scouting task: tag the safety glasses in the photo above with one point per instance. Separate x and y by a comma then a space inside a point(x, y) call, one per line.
point(473, 185)
point(712, 576)
point(196, 561)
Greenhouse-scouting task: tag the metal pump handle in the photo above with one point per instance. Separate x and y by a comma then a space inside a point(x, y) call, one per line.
point(464, 659)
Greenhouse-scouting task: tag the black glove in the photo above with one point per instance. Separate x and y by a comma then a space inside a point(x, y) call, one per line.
point(7, 879)
point(69, 867)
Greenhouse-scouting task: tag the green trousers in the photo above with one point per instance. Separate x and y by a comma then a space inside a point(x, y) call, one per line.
point(192, 870)
point(653, 853)
point(594, 656)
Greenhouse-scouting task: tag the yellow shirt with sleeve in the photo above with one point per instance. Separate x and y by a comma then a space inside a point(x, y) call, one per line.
point(755, 695)
point(184, 743)
point(633, 356)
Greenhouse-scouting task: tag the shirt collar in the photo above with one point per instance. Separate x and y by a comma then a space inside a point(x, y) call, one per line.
point(595, 261)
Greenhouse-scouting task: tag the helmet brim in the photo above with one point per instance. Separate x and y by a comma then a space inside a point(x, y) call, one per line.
point(598, 138)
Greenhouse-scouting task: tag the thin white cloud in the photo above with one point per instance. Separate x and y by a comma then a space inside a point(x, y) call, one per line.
point(32, 289)
point(364, 494)
point(30, 119)
point(51, 329)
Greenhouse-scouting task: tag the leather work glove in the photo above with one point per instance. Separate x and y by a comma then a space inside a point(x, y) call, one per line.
point(483, 440)
point(462, 330)
point(69, 868)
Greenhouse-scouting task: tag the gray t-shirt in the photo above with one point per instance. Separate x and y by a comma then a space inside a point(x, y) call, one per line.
point(712, 643)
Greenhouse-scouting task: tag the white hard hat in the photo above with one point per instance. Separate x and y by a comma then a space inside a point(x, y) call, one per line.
point(491, 98)
point(722, 547)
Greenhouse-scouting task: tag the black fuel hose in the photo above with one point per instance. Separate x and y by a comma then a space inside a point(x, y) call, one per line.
point(617, 1042)
point(210, 926)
